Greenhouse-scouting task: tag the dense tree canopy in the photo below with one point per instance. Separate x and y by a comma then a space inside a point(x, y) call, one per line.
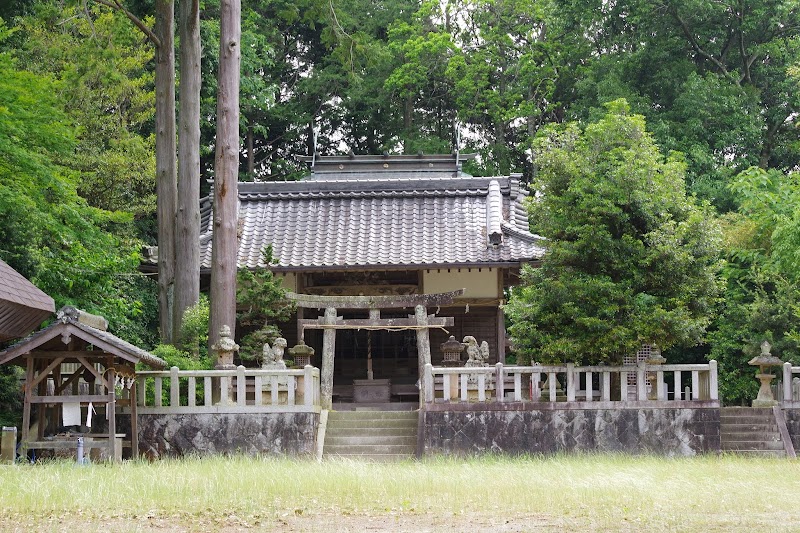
point(79, 254)
point(716, 83)
point(631, 259)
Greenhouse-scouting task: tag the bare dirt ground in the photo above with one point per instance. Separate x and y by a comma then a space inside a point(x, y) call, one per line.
point(290, 522)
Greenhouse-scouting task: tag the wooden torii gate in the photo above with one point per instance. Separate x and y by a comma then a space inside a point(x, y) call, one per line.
point(329, 322)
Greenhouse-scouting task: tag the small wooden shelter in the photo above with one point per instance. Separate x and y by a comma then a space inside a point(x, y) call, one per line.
point(74, 368)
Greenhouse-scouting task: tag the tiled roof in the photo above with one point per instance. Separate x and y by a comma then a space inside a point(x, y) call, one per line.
point(23, 306)
point(68, 322)
point(370, 217)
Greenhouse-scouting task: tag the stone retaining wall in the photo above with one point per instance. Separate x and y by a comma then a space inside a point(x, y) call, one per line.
point(793, 425)
point(292, 434)
point(662, 431)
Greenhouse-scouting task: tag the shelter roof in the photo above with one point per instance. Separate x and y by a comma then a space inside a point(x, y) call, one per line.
point(23, 306)
point(376, 212)
point(69, 328)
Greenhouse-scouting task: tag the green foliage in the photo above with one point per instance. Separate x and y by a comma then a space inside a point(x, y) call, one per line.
point(80, 255)
point(262, 302)
point(194, 329)
point(11, 396)
point(182, 359)
point(711, 80)
point(762, 299)
point(104, 81)
point(631, 259)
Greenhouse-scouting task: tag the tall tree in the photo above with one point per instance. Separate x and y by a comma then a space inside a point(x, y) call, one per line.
point(187, 251)
point(166, 172)
point(162, 36)
point(631, 259)
point(226, 174)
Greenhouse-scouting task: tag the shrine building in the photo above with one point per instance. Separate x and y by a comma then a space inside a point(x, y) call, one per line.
point(373, 238)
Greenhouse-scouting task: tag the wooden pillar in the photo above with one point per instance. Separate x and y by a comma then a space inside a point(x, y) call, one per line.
point(134, 422)
point(111, 407)
point(328, 348)
point(41, 409)
point(501, 336)
point(423, 345)
point(26, 410)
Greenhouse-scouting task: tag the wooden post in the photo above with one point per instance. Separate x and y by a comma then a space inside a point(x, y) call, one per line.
point(26, 409)
point(134, 423)
point(112, 414)
point(501, 335)
point(423, 344)
point(41, 409)
point(328, 349)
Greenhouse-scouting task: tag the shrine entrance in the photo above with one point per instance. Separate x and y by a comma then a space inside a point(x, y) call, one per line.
point(372, 352)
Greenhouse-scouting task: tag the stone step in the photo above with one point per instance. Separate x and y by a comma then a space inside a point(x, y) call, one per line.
point(752, 445)
point(373, 415)
point(746, 416)
point(743, 420)
point(758, 453)
point(393, 406)
point(360, 440)
point(371, 435)
point(398, 431)
point(372, 458)
point(754, 428)
point(369, 449)
point(749, 411)
point(729, 435)
point(373, 424)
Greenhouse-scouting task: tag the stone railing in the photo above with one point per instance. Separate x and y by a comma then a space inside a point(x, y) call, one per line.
point(570, 385)
point(228, 391)
point(789, 393)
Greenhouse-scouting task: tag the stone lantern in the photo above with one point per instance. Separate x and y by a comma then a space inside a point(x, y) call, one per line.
point(301, 354)
point(451, 352)
point(763, 362)
point(225, 347)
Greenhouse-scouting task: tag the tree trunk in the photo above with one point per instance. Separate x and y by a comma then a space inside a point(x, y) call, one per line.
point(165, 163)
point(187, 252)
point(226, 168)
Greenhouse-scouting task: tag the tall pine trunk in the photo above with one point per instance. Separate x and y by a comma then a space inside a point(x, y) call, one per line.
point(165, 163)
point(187, 252)
point(226, 169)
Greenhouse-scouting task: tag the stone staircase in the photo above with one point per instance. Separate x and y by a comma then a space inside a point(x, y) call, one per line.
point(751, 431)
point(372, 435)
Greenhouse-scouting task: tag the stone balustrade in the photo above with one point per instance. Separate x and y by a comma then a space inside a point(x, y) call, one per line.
point(583, 387)
point(239, 390)
point(790, 392)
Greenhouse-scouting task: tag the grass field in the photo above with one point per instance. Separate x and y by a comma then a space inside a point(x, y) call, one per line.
point(603, 493)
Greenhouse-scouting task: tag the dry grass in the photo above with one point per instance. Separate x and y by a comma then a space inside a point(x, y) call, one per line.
point(605, 492)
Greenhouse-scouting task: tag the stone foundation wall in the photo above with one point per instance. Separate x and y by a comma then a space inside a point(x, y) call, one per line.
point(292, 434)
point(793, 425)
point(663, 431)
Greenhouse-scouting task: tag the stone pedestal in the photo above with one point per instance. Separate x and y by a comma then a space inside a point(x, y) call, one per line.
point(8, 445)
point(765, 397)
